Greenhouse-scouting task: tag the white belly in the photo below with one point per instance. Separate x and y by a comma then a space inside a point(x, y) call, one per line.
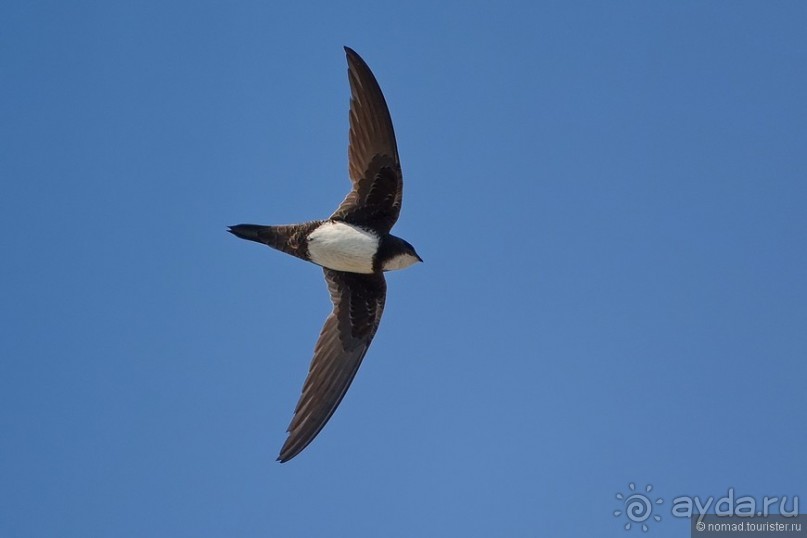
point(343, 247)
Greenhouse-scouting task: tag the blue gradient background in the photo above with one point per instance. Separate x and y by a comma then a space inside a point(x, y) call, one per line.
point(609, 196)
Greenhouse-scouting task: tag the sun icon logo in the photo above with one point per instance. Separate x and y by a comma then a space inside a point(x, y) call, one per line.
point(638, 507)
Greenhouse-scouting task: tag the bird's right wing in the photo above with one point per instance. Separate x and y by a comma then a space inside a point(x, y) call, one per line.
point(375, 170)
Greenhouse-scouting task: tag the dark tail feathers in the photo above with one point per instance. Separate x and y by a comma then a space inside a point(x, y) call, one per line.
point(252, 232)
point(289, 238)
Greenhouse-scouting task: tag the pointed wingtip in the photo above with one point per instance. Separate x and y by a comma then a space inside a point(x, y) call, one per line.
point(352, 55)
point(286, 453)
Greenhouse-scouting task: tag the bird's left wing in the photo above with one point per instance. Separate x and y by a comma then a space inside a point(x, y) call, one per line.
point(358, 302)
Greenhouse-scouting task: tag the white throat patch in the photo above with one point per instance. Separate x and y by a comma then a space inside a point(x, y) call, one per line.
point(401, 261)
point(343, 247)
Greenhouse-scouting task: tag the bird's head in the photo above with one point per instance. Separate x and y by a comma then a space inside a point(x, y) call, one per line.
point(397, 253)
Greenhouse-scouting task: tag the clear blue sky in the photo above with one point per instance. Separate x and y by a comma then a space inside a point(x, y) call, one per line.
point(610, 201)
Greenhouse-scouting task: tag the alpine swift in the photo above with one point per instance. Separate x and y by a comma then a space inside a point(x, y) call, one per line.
point(354, 248)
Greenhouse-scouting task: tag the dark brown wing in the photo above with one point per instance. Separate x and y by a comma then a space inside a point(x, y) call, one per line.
point(375, 170)
point(358, 302)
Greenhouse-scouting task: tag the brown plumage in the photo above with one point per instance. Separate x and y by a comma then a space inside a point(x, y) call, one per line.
point(358, 302)
point(373, 163)
point(370, 209)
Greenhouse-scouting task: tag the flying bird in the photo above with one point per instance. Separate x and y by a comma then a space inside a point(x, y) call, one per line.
point(354, 247)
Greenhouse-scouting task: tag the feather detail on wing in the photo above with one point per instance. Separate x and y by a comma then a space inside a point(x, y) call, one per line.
point(358, 302)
